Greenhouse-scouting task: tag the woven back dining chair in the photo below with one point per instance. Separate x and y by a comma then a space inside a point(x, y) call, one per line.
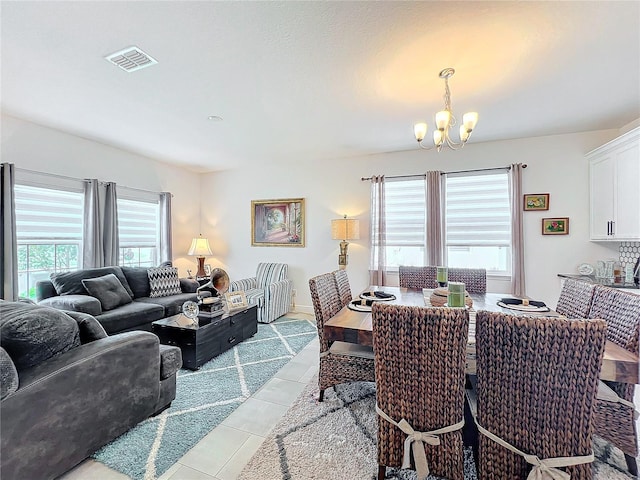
point(344, 288)
point(474, 279)
point(614, 420)
point(575, 298)
point(340, 362)
point(420, 376)
point(417, 277)
point(537, 380)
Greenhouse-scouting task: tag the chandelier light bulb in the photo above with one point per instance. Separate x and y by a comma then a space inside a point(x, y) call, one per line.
point(464, 134)
point(442, 119)
point(469, 120)
point(438, 137)
point(420, 130)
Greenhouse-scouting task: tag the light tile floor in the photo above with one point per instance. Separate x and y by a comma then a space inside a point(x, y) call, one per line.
point(223, 453)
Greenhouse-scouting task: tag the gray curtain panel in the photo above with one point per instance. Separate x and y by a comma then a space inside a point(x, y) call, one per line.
point(378, 240)
point(517, 232)
point(166, 254)
point(92, 248)
point(111, 244)
point(9, 245)
point(435, 225)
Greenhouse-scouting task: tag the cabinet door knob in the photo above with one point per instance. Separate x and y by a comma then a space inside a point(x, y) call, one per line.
point(613, 227)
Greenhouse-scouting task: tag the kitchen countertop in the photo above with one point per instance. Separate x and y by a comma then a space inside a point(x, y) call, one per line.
point(600, 281)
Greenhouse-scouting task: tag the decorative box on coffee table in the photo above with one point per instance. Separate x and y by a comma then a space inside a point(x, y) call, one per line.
point(214, 334)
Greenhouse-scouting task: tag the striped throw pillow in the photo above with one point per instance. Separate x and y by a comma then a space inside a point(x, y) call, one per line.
point(163, 282)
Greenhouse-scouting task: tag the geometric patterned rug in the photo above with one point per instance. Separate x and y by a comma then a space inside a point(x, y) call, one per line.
point(204, 398)
point(337, 439)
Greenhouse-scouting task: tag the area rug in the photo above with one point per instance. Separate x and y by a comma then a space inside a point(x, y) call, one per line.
point(337, 439)
point(204, 398)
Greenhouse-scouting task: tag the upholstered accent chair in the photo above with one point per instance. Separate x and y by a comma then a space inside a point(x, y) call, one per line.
point(614, 414)
point(270, 289)
point(340, 362)
point(575, 298)
point(537, 380)
point(344, 288)
point(420, 356)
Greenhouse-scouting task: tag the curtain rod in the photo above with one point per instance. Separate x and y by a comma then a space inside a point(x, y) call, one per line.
point(448, 173)
point(65, 177)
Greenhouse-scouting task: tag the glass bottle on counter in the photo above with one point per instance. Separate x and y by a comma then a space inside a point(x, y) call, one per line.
point(617, 273)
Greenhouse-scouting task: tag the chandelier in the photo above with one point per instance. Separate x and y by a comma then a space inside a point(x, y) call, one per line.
point(445, 121)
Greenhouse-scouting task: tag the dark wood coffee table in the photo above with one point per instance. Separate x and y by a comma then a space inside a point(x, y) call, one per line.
point(199, 344)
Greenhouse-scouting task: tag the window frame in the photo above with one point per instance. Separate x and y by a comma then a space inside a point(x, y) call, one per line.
point(28, 276)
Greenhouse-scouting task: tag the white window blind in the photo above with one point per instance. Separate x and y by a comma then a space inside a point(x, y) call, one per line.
point(45, 214)
point(405, 222)
point(138, 223)
point(405, 207)
point(477, 210)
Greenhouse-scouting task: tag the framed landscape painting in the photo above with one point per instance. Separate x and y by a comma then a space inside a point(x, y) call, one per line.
point(536, 201)
point(555, 226)
point(277, 223)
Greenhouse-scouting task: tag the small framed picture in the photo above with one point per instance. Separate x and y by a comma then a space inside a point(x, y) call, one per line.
point(236, 300)
point(555, 226)
point(536, 201)
point(207, 269)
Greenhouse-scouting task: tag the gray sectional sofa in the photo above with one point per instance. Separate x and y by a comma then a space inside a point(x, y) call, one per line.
point(90, 291)
point(67, 388)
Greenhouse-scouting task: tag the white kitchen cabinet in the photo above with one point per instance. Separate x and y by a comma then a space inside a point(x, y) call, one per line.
point(614, 176)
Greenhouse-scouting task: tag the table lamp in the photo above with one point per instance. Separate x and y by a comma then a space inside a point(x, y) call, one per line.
point(344, 229)
point(200, 248)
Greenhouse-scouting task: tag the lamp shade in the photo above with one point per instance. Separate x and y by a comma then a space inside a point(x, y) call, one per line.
point(200, 247)
point(345, 229)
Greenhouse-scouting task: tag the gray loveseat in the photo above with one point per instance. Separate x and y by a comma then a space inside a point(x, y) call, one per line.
point(85, 291)
point(67, 388)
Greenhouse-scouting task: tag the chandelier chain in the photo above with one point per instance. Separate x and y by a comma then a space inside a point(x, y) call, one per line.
point(447, 102)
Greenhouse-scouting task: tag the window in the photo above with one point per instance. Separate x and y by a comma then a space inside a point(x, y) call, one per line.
point(405, 208)
point(478, 222)
point(138, 232)
point(49, 234)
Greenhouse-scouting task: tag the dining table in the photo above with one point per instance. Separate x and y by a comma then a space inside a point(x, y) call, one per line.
point(354, 326)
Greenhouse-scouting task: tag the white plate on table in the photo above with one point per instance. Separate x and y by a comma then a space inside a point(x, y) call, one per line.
point(358, 307)
point(364, 296)
point(523, 308)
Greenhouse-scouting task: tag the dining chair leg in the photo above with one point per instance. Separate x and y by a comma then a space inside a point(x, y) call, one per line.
point(632, 465)
point(382, 471)
point(321, 398)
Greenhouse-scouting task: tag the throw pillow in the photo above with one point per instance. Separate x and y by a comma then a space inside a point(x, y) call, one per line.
point(163, 282)
point(70, 283)
point(108, 290)
point(32, 334)
point(138, 280)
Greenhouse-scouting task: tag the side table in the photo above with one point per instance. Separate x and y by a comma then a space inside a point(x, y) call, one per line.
point(211, 337)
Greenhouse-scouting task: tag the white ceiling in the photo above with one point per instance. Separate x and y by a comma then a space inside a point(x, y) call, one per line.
point(298, 81)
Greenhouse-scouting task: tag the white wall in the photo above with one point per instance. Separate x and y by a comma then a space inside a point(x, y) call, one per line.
point(218, 204)
point(34, 147)
point(556, 165)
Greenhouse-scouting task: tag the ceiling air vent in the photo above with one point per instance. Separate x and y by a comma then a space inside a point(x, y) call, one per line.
point(131, 59)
